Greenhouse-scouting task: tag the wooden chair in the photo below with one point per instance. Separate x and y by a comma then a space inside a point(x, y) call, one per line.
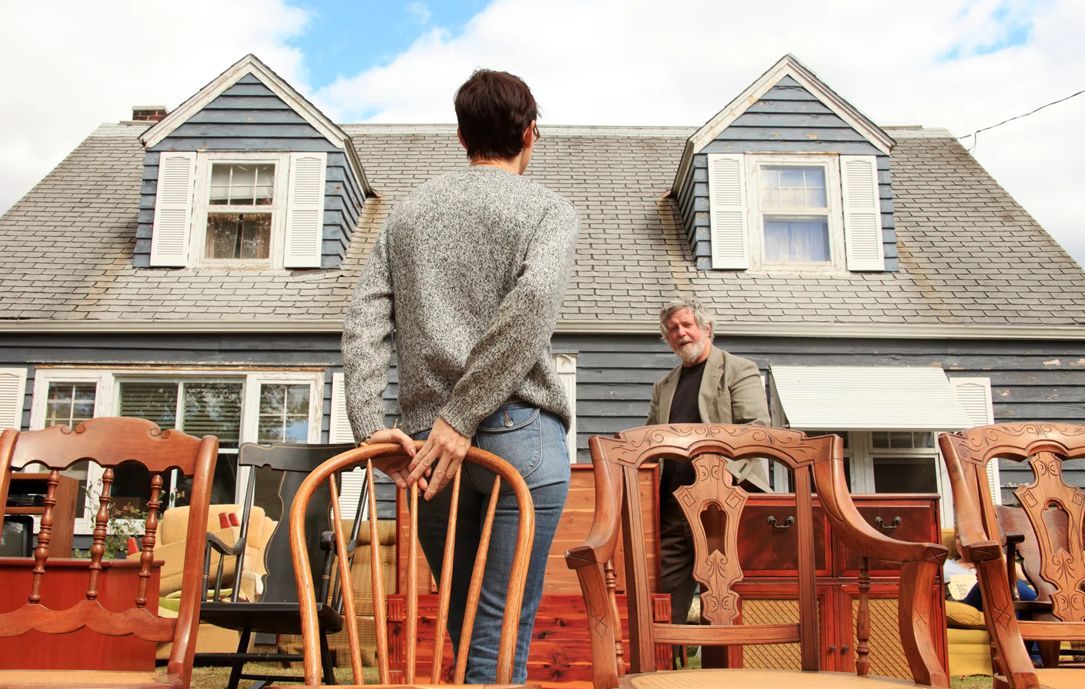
point(713, 506)
point(276, 612)
point(92, 589)
point(1056, 515)
point(505, 478)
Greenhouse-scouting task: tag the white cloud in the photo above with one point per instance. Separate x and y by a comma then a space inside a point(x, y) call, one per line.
point(70, 65)
point(419, 11)
point(641, 62)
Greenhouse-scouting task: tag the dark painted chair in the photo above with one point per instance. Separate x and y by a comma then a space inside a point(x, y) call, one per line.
point(276, 612)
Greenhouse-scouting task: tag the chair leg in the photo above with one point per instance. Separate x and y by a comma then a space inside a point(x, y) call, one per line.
point(238, 665)
point(326, 659)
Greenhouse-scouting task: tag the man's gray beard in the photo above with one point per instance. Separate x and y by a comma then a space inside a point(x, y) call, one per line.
point(690, 353)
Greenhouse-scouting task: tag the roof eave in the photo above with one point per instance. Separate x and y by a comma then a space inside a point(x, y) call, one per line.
point(894, 331)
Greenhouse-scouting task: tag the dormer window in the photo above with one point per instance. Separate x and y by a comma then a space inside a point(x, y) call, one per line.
point(240, 210)
point(794, 206)
point(244, 210)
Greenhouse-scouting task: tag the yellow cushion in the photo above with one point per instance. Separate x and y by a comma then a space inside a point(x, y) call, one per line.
point(964, 637)
point(963, 616)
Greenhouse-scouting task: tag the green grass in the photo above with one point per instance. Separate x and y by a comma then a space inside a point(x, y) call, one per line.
point(219, 677)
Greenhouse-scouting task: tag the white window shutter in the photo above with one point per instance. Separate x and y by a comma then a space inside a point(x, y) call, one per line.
point(727, 210)
point(173, 209)
point(566, 366)
point(12, 393)
point(305, 210)
point(974, 396)
point(339, 432)
point(862, 213)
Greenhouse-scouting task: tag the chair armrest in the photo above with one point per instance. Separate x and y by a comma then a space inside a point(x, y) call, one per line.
point(854, 529)
point(602, 537)
point(219, 545)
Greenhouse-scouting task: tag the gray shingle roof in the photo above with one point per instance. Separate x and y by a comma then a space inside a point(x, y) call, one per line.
point(970, 255)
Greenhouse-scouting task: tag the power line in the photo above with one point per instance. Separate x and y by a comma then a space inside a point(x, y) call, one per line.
point(975, 134)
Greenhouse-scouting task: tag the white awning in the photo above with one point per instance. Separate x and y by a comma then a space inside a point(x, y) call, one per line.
point(884, 398)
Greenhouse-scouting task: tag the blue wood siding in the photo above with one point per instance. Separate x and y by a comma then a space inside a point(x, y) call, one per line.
point(249, 117)
point(787, 119)
point(1030, 380)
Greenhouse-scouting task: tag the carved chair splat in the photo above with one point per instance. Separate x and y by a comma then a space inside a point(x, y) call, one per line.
point(506, 478)
point(713, 506)
point(109, 442)
point(1055, 513)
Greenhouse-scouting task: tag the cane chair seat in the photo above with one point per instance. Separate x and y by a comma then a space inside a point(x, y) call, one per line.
point(762, 679)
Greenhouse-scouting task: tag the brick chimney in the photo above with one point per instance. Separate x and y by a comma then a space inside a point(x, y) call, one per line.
point(148, 113)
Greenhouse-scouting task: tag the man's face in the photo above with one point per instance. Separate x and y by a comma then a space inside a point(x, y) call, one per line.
point(688, 340)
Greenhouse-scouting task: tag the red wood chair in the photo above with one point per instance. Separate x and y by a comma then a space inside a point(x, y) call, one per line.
point(110, 599)
point(713, 506)
point(1056, 514)
point(505, 478)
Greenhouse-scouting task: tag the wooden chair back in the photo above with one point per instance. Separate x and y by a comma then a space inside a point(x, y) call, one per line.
point(110, 441)
point(1056, 514)
point(713, 507)
point(292, 462)
point(506, 478)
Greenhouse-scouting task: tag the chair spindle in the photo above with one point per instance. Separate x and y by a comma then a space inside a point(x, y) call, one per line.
point(474, 590)
point(380, 612)
point(445, 589)
point(412, 589)
point(612, 593)
point(45, 536)
point(150, 532)
point(342, 559)
point(862, 622)
point(101, 528)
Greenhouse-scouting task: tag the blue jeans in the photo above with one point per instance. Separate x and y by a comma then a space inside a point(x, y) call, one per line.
point(533, 442)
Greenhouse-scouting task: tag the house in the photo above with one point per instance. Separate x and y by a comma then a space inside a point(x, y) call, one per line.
point(193, 268)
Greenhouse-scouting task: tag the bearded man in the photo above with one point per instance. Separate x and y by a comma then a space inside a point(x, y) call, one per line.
point(709, 386)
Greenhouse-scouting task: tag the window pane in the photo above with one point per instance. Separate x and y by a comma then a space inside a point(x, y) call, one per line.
point(209, 408)
point(214, 409)
point(284, 413)
point(793, 187)
point(245, 236)
point(242, 185)
point(69, 403)
point(155, 402)
point(905, 475)
point(906, 440)
point(796, 240)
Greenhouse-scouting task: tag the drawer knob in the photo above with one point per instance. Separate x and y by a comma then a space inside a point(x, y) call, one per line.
point(786, 525)
point(880, 523)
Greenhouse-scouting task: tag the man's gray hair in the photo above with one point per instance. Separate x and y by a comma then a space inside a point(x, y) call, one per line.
point(701, 314)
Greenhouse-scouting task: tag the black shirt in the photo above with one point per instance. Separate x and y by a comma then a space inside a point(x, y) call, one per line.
point(684, 409)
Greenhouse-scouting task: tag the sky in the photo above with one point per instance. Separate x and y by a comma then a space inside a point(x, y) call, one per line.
point(71, 65)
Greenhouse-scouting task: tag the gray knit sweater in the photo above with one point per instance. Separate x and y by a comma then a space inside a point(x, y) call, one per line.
point(467, 276)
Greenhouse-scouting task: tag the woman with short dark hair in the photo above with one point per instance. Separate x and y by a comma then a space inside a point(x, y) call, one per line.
point(468, 275)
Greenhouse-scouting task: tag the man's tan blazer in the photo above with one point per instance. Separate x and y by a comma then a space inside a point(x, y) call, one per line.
point(731, 392)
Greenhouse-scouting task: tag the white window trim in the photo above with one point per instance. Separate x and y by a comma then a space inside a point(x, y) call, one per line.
point(108, 385)
point(837, 264)
point(202, 207)
point(565, 364)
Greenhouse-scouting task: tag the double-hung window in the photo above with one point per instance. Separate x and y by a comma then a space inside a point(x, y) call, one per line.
point(235, 406)
point(794, 205)
point(241, 205)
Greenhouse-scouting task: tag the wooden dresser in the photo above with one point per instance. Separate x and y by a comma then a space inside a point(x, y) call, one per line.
point(561, 651)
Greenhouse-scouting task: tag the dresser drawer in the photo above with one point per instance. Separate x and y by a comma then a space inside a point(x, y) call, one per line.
point(768, 540)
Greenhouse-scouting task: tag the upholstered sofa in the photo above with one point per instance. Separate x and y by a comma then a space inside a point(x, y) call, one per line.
point(170, 548)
